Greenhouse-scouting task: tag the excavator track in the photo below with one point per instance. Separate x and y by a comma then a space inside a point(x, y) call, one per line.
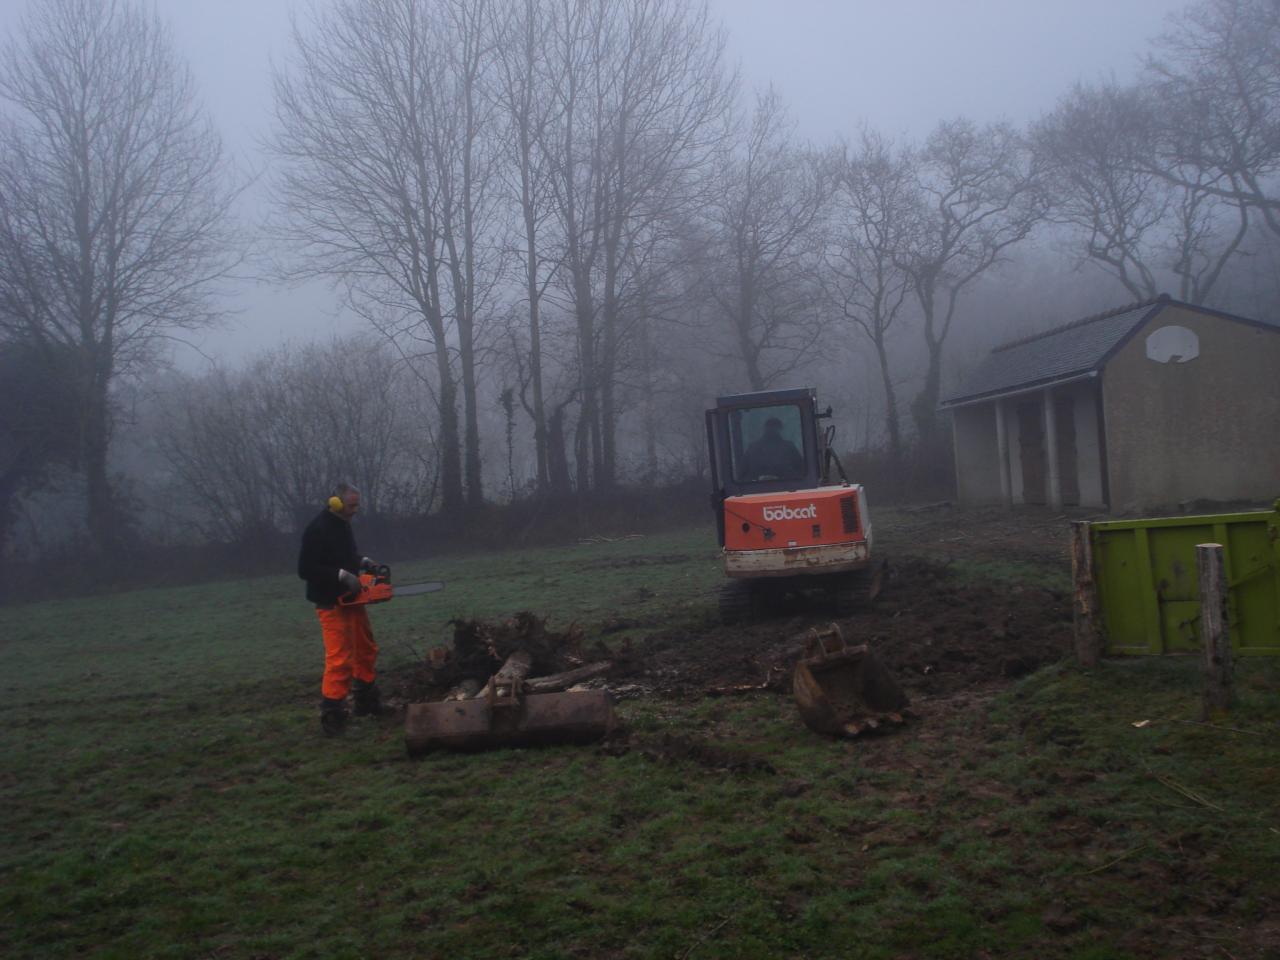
point(855, 590)
point(737, 604)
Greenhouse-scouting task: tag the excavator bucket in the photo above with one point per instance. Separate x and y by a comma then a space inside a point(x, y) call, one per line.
point(843, 689)
point(504, 717)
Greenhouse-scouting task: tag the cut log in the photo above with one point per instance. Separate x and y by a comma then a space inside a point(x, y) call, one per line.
point(465, 690)
point(515, 669)
point(510, 674)
point(561, 681)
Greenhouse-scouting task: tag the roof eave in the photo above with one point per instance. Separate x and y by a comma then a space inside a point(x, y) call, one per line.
point(1031, 386)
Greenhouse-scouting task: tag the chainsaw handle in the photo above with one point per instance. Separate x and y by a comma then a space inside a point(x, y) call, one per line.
point(351, 597)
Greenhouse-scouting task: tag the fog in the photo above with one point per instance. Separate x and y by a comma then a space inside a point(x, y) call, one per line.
point(858, 196)
point(898, 67)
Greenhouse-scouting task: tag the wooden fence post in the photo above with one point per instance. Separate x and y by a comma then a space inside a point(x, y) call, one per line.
point(1088, 636)
point(1215, 632)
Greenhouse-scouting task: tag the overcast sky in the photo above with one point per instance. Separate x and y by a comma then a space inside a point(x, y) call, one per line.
point(901, 66)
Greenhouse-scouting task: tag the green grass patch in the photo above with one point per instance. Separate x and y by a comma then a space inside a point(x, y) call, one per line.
point(165, 793)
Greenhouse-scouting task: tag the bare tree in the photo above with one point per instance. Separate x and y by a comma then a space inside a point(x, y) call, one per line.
point(875, 215)
point(346, 399)
point(463, 126)
point(213, 443)
point(365, 192)
point(656, 362)
point(665, 117)
point(981, 196)
point(41, 386)
point(576, 196)
point(522, 88)
point(507, 401)
point(641, 99)
point(1217, 80)
point(1207, 230)
point(1093, 148)
point(765, 243)
point(256, 449)
point(1139, 212)
point(114, 208)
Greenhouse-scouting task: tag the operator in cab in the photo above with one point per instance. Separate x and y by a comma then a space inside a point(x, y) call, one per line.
point(772, 456)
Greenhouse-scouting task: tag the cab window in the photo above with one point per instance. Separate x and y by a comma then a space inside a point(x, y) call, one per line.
point(767, 443)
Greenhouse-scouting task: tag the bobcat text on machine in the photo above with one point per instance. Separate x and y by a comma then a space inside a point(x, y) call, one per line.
point(786, 524)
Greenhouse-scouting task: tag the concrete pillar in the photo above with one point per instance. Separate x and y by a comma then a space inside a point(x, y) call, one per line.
point(1051, 449)
point(1002, 453)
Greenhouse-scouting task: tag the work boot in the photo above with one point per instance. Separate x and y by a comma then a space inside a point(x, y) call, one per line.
point(333, 716)
point(368, 701)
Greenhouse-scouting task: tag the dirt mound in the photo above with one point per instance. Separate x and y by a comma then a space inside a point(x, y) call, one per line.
point(937, 633)
point(480, 647)
point(934, 631)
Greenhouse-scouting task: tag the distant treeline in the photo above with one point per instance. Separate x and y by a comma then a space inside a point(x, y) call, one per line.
point(272, 551)
point(566, 226)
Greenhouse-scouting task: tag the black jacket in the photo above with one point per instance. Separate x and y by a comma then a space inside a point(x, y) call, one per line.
point(328, 545)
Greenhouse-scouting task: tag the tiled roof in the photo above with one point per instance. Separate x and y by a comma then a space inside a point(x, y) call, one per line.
point(1061, 353)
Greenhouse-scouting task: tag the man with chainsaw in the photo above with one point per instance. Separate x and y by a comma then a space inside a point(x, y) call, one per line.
point(331, 564)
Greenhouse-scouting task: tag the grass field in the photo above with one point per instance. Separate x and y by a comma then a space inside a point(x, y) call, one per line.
point(166, 793)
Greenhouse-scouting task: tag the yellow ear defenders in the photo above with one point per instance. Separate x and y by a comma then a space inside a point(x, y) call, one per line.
point(335, 504)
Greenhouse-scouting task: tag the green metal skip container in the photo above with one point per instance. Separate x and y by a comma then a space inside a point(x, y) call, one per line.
point(1148, 588)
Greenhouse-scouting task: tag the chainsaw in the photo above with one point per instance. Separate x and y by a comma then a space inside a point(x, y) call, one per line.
point(375, 587)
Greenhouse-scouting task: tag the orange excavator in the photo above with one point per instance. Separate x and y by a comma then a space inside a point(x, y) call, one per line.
point(792, 525)
point(790, 522)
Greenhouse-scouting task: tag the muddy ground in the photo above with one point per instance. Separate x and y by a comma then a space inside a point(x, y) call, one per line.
point(940, 633)
point(954, 639)
point(937, 633)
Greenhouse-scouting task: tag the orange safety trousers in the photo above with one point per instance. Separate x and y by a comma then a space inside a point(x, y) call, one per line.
point(349, 650)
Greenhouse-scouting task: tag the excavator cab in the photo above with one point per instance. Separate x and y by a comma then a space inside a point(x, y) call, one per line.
point(789, 520)
point(764, 442)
